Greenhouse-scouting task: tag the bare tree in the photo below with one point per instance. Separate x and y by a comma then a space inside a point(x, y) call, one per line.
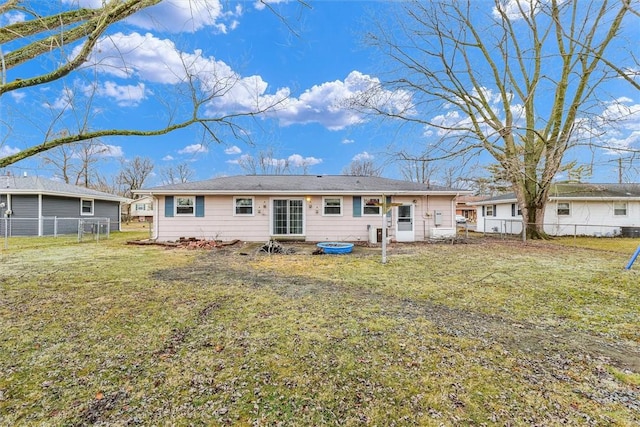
point(76, 163)
point(67, 42)
point(362, 167)
point(89, 153)
point(133, 174)
point(485, 72)
point(264, 163)
point(176, 175)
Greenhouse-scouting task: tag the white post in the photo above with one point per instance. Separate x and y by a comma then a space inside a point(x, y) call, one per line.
point(384, 229)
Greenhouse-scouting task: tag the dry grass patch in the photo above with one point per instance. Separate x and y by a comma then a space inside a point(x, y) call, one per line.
point(482, 334)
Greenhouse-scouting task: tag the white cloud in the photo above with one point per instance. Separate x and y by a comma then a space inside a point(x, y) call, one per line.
point(176, 16)
point(328, 103)
point(17, 96)
point(148, 58)
point(12, 18)
point(194, 148)
point(512, 9)
point(362, 156)
point(6, 150)
point(262, 4)
point(64, 100)
point(616, 127)
point(232, 150)
point(298, 161)
point(124, 95)
point(167, 158)
point(108, 150)
point(348, 141)
point(183, 16)
point(151, 59)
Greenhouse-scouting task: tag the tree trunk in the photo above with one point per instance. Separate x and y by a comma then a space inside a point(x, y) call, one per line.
point(535, 221)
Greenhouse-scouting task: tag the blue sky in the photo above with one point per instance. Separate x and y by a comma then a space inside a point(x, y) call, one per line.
point(318, 62)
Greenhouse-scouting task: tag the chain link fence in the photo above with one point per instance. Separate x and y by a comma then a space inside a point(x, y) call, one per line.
point(53, 227)
point(513, 228)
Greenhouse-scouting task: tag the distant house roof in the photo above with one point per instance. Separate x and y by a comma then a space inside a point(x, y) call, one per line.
point(577, 191)
point(297, 184)
point(10, 184)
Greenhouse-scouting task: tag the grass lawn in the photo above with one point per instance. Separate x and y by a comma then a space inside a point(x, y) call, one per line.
point(485, 333)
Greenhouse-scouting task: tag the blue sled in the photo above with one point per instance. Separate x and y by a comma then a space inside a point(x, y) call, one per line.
point(633, 258)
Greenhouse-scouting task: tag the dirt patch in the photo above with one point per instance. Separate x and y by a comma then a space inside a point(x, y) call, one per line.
point(543, 341)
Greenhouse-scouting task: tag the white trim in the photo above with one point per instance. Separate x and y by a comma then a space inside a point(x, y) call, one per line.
point(363, 205)
point(324, 198)
point(175, 205)
point(93, 206)
point(558, 207)
point(235, 206)
point(272, 216)
point(626, 209)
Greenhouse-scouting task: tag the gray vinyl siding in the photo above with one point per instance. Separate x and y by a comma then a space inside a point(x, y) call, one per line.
point(24, 206)
point(24, 216)
point(66, 210)
point(106, 209)
point(62, 207)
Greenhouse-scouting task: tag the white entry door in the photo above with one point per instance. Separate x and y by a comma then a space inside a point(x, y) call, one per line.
point(404, 224)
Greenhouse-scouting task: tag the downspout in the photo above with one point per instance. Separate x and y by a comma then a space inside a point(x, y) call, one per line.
point(40, 219)
point(156, 217)
point(119, 216)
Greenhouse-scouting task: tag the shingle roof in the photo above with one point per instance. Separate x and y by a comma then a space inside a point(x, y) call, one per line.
point(309, 184)
point(10, 184)
point(580, 191)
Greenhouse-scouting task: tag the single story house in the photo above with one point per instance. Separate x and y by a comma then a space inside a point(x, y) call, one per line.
point(35, 206)
point(140, 209)
point(303, 207)
point(463, 208)
point(572, 209)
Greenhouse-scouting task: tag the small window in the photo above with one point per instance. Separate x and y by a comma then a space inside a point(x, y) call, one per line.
point(620, 208)
point(515, 210)
point(86, 207)
point(140, 206)
point(244, 206)
point(488, 210)
point(332, 205)
point(563, 209)
point(185, 205)
point(371, 206)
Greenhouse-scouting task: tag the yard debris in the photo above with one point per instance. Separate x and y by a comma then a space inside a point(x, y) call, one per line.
point(187, 243)
point(274, 247)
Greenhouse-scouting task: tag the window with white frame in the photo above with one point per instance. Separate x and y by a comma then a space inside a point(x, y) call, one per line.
point(620, 208)
point(371, 206)
point(243, 206)
point(86, 207)
point(185, 205)
point(489, 210)
point(332, 205)
point(563, 209)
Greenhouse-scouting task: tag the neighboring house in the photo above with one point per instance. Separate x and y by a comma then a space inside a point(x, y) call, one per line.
point(34, 206)
point(463, 208)
point(572, 209)
point(302, 207)
point(141, 209)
